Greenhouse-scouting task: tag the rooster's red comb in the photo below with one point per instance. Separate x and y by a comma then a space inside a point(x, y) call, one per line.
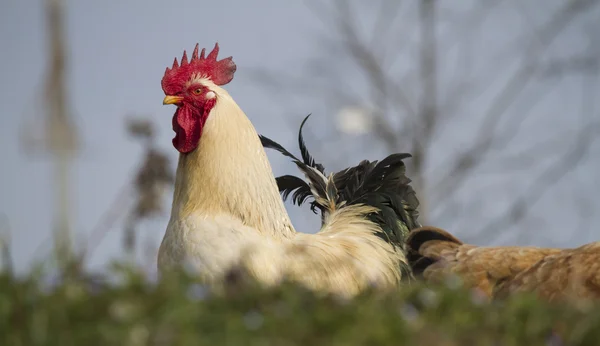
point(220, 72)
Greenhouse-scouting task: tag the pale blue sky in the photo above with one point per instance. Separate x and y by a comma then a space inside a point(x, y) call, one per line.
point(118, 53)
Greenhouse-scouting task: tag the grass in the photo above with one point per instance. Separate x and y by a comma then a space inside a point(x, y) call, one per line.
point(79, 309)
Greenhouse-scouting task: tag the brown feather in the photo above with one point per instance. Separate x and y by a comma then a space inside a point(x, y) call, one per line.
point(565, 275)
point(478, 267)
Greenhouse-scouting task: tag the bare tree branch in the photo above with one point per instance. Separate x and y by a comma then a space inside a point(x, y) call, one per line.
point(560, 168)
point(527, 200)
point(469, 159)
point(414, 107)
point(7, 265)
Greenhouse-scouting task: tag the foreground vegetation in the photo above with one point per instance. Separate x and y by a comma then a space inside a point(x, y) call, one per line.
point(177, 310)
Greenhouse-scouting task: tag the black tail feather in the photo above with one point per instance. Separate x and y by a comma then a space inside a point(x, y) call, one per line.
point(290, 184)
point(316, 188)
point(306, 157)
point(271, 144)
point(382, 184)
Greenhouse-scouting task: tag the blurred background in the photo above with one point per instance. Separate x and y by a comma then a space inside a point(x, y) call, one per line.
point(497, 100)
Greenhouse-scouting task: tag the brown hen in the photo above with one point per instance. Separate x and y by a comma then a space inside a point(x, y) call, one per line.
point(553, 274)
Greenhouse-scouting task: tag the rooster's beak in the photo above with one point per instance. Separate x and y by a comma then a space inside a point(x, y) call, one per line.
point(172, 100)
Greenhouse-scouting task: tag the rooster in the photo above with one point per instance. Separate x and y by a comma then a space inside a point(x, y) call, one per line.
point(552, 274)
point(227, 211)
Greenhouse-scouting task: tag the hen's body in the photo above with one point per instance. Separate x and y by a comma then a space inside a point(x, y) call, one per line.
point(434, 254)
point(567, 274)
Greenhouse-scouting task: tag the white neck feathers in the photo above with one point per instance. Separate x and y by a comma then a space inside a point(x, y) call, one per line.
point(229, 173)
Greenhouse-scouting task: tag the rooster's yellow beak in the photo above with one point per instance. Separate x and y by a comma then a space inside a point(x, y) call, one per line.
point(172, 100)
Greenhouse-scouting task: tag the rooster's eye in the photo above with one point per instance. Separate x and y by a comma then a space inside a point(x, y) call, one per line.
point(197, 91)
